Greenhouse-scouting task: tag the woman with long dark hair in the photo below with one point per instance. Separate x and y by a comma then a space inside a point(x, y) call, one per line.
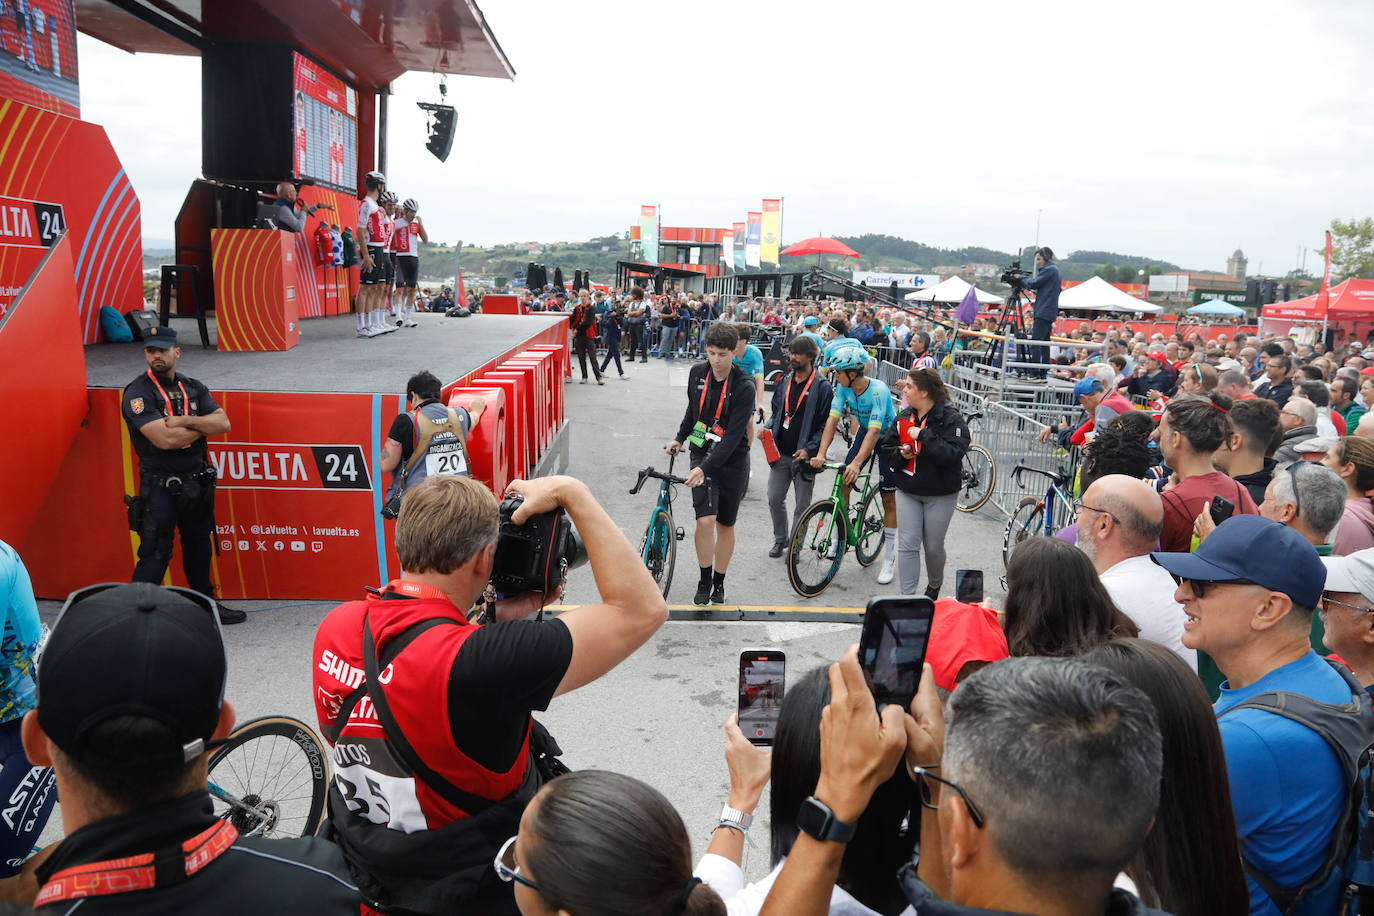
point(1056, 604)
point(884, 839)
point(594, 843)
point(1190, 864)
point(1352, 459)
point(925, 449)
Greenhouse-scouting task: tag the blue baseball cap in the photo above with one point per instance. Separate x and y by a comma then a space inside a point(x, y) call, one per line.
point(1257, 550)
point(1089, 385)
point(810, 321)
point(161, 337)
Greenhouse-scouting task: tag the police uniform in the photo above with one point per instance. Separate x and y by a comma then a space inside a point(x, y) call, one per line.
point(176, 488)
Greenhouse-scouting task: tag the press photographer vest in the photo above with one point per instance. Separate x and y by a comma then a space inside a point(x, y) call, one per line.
point(440, 447)
point(410, 843)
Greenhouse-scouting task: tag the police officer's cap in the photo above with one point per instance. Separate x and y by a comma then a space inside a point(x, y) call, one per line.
point(164, 338)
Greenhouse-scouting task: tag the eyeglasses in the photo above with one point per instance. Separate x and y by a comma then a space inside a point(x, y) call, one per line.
point(1200, 587)
point(508, 870)
point(1293, 482)
point(973, 812)
point(1002, 579)
point(1353, 607)
point(1079, 506)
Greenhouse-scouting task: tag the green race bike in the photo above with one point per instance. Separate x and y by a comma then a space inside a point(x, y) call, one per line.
point(827, 528)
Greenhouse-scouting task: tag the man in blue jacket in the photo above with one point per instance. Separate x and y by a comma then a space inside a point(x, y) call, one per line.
point(1045, 284)
point(801, 405)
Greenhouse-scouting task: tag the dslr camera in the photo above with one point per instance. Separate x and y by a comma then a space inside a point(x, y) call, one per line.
point(535, 556)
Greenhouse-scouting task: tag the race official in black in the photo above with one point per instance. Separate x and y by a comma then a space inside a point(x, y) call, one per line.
point(169, 415)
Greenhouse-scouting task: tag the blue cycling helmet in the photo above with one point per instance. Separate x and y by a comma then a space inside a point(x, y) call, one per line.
point(854, 357)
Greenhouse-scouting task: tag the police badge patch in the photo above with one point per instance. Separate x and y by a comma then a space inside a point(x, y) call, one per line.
point(136, 405)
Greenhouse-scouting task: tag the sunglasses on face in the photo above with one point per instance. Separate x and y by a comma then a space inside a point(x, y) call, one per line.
point(1200, 588)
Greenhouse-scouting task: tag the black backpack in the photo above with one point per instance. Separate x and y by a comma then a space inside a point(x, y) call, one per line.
point(1349, 730)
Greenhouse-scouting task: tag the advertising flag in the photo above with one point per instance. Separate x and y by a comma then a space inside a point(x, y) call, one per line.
point(752, 240)
point(727, 248)
point(772, 231)
point(1324, 294)
point(648, 232)
point(739, 233)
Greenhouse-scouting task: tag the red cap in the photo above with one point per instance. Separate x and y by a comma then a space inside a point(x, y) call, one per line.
point(1158, 356)
point(1367, 370)
point(962, 633)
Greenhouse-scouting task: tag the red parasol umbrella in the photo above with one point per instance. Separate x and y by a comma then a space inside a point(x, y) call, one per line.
point(820, 245)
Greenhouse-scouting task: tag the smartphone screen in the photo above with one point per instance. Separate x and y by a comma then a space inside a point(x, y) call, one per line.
point(968, 586)
point(762, 676)
point(892, 647)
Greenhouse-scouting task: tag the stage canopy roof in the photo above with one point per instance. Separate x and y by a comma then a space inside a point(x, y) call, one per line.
point(1097, 295)
point(1349, 300)
point(367, 42)
point(1216, 307)
point(953, 291)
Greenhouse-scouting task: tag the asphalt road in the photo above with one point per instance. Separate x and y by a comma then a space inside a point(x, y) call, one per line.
point(660, 715)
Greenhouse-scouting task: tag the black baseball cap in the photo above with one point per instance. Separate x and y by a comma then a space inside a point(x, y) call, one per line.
point(161, 336)
point(133, 650)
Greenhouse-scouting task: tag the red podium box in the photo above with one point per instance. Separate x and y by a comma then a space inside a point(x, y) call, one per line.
point(540, 415)
point(501, 305)
point(256, 289)
point(515, 429)
point(520, 416)
point(563, 363)
point(487, 441)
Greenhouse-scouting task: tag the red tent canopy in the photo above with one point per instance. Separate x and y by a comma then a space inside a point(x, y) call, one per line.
point(1350, 300)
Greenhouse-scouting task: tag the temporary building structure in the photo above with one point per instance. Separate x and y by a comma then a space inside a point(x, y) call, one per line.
point(1097, 295)
point(1216, 307)
point(952, 291)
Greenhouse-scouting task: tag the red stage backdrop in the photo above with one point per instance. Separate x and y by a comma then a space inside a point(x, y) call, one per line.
point(256, 289)
point(59, 173)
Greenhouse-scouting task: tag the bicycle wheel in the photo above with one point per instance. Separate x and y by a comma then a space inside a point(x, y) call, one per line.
point(819, 532)
point(977, 477)
point(1024, 523)
point(659, 549)
point(870, 520)
point(270, 778)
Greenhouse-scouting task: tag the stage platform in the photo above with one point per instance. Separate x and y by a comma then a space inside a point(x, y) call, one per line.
point(331, 358)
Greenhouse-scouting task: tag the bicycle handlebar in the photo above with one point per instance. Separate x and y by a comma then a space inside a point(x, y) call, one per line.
point(657, 475)
point(1062, 477)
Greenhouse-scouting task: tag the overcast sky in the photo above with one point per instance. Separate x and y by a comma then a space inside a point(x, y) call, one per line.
point(1177, 130)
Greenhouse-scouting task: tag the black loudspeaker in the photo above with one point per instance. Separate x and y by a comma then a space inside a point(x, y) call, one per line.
point(443, 119)
point(141, 322)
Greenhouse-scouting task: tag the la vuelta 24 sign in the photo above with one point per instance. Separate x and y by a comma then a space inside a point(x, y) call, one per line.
point(30, 223)
point(281, 466)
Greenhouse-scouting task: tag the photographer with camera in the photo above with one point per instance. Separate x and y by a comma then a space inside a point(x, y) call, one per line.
point(1045, 284)
point(429, 439)
point(435, 751)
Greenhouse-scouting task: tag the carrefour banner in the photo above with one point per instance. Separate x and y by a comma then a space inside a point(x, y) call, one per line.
point(772, 231)
point(648, 232)
point(739, 234)
point(753, 239)
point(727, 246)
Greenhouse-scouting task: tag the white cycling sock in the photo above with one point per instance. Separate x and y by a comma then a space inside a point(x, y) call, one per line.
point(889, 544)
point(362, 321)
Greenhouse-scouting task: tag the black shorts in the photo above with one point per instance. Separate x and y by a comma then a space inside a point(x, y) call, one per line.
point(722, 501)
point(407, 271)
point(390, 268)
point(379, 265)
point(887, 482)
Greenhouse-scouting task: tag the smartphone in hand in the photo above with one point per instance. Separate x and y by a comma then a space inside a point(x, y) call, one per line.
point(892, 646)
point(968, 586)
point(1221, 509)
point(762, 679)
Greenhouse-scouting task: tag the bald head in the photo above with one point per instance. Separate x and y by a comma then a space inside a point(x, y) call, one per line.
point(286, 191)
point(1137, 507)
point(1365, 429)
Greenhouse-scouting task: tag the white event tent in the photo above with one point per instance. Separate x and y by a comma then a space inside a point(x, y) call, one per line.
point(1097, 295)
point(953, 291)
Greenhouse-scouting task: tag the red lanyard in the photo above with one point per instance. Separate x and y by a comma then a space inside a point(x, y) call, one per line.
point(787, 410)
point(701, 402)
point(185, 401)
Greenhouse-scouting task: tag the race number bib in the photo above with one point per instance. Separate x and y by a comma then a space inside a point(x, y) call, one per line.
point(446, 457)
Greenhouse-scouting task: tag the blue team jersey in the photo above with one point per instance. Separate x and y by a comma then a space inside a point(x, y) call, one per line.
point(751, 363)
point(820, 341)
point(20, 636)
point(874, 407)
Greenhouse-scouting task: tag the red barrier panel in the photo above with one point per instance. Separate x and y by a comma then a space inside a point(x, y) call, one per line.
point(487, 448)
point(515, 430)
point(501, 305)
point(542, 415)
point(49, 401)
point(521, 415)
point(562, 366)
point(553, 389)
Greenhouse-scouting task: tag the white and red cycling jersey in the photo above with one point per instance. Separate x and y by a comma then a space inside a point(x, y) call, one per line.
point(388, 229)
point(370, 223)
point(404, 237)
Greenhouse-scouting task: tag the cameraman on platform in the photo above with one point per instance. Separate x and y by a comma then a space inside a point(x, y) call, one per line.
point(1045, 284)
point(435, 752)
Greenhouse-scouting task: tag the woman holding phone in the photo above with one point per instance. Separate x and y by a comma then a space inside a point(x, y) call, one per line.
point(925, 449)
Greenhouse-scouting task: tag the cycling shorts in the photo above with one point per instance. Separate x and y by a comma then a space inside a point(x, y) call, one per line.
point(713, 499)
point(379, 265)
point(887, 483)
point(407, 271)
point(390, 268)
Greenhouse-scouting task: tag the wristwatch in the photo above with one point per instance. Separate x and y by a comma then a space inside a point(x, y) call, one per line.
point(817, 821)
point(733, 817)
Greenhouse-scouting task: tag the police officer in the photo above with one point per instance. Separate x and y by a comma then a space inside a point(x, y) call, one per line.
point(169, 415)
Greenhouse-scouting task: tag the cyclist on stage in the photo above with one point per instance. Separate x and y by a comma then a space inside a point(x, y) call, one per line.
point(871, 401)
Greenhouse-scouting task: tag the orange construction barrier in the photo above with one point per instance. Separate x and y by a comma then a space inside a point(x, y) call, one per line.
point(487, 442)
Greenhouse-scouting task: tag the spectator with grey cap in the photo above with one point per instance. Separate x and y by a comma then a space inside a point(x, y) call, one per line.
point(1347, 611)
point(128, 742)
point(1249, 592)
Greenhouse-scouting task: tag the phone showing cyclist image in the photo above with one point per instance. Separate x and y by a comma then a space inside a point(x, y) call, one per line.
point(892, 646)
point(762, 678)
point(968, 586)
